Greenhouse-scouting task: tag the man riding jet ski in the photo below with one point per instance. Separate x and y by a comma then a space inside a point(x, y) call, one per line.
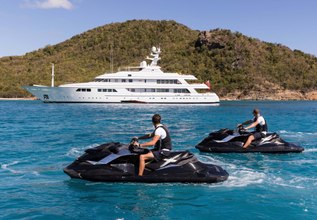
point(232, 141)
point(227, 141)
point(115, 162)
point(260, 125)
point(161, 141)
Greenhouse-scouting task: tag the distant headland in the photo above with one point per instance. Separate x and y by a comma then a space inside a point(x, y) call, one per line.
point(238, 67)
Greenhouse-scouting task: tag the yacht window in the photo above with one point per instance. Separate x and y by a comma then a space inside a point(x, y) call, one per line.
point(129, 74)
point(162, 90)
point(130, 80)
point(123, 80)
point(167, 81)
point(107, 90)
point(83, 90)
point(181, 91)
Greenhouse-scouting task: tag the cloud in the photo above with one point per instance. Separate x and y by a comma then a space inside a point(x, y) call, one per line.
point(48, 4)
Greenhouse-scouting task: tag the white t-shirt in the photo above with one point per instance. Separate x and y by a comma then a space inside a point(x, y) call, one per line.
point(261, 120)
point(160, 132)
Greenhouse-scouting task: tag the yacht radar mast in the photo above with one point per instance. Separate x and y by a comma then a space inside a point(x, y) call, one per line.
point(155, 56)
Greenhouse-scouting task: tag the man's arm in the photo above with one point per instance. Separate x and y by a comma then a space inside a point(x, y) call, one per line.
point(247, 122)
point(252, 125)
point(146, 136)
point(152, 142)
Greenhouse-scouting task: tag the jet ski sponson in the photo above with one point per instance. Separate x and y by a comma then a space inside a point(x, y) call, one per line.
point(230, 141)
point(114, 162)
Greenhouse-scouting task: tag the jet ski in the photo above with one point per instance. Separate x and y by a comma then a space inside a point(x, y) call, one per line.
point(116, 162)
point(231, 141)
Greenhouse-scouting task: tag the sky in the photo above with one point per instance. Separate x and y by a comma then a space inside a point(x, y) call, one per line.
point(28, 25)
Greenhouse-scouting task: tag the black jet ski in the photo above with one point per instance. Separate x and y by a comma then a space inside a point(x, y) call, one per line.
point(231, 141)
point(115, 162)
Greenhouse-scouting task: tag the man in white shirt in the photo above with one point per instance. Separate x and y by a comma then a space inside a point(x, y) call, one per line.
point(260, 127)
point(161, 141)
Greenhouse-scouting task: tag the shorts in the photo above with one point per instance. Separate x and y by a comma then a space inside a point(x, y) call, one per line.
point(160, 154)
point(258, 135)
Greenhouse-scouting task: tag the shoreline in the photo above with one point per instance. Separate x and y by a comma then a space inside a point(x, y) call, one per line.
point(275, 95)
point(15, 99)
point(221, 99)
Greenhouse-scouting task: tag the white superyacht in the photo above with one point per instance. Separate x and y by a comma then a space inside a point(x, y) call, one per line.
point(143, 84)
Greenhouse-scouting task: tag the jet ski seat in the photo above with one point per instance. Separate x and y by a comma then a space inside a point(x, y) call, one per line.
point(174, 157)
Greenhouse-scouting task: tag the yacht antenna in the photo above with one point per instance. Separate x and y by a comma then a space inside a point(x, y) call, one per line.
point(52, 85)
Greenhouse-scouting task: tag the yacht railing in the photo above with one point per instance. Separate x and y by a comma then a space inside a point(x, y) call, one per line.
point(129, 68)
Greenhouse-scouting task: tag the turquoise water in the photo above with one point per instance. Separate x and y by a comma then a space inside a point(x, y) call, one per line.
point(37, 140)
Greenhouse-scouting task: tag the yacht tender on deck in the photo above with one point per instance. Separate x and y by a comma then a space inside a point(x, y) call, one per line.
point(144, 84)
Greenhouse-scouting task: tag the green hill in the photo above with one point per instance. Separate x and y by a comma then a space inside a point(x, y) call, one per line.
point(234, 63)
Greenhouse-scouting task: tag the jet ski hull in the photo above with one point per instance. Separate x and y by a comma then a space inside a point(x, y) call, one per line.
point(236, 148)
point(178, 167)
point(272, 143)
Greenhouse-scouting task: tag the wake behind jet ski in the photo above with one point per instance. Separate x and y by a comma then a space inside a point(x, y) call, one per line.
point(232, 141)
point(115, 162)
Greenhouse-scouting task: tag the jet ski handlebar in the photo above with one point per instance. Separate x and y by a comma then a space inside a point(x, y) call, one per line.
point(134, 147)
point(241, 130)
point(134, 140)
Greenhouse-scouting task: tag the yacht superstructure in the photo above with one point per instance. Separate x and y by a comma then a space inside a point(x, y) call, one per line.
point(146, 83)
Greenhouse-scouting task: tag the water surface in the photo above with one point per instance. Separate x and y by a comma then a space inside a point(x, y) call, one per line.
point(37, 140)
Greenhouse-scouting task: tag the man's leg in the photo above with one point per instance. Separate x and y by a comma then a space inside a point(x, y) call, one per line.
point(143, 158)
point(248, 142)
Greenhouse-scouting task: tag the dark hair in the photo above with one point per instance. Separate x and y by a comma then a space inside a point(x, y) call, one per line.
point(256, 111)
point(156, 119)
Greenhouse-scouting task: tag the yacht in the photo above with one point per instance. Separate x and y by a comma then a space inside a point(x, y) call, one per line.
point(146, 83)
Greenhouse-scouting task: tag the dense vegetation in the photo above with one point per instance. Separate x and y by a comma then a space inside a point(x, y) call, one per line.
point(231, 61)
